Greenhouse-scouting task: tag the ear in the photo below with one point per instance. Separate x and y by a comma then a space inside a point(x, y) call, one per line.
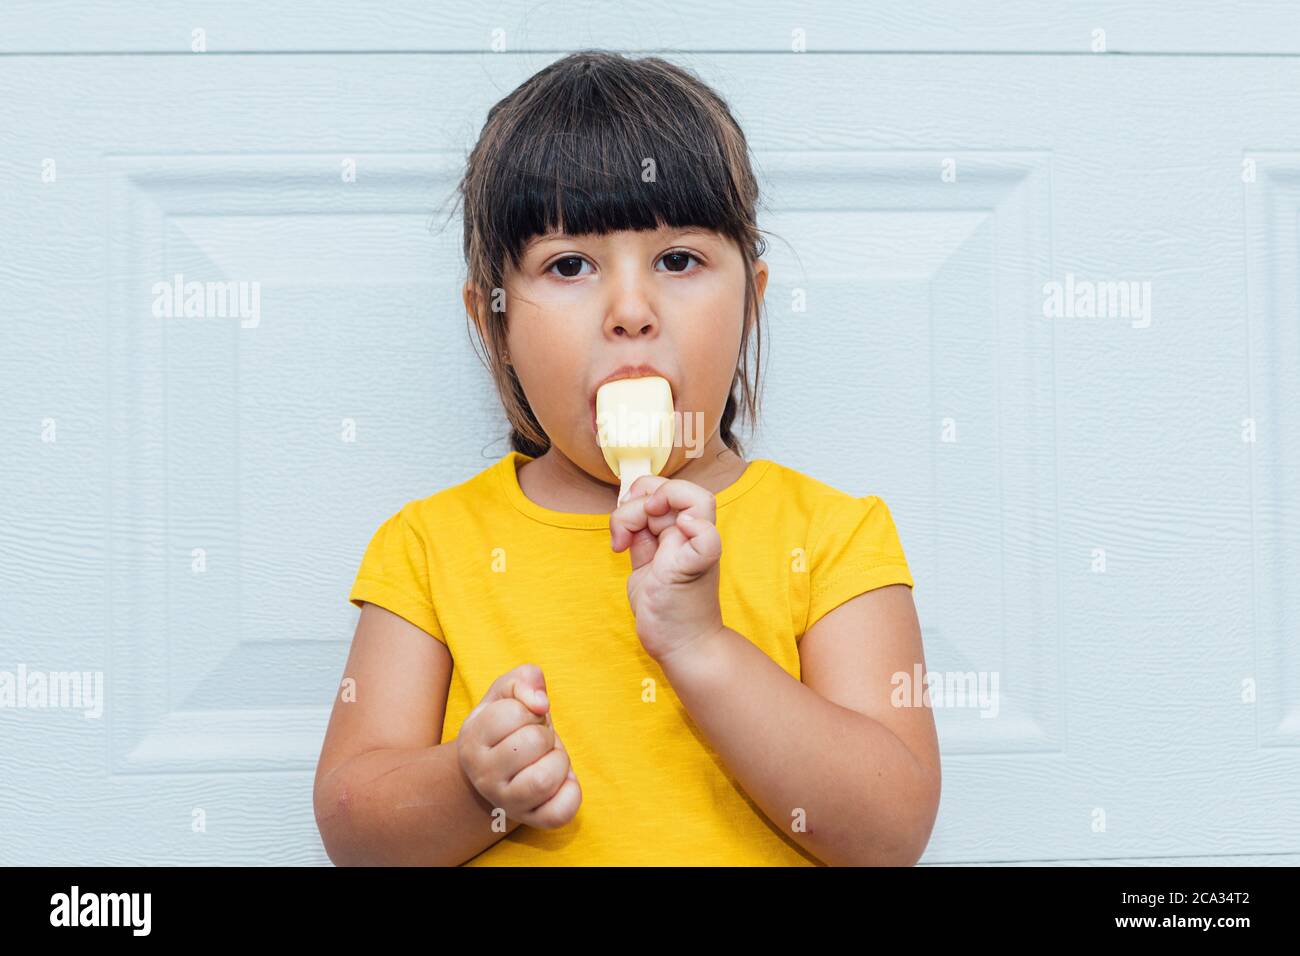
point(473, 308)
point(760, 278)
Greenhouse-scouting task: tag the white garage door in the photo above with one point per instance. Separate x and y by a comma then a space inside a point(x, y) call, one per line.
point(1102, 512)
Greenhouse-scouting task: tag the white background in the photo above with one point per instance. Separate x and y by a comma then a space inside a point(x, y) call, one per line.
point(1125, 731)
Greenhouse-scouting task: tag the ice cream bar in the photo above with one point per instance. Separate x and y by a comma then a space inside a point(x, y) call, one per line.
point(634, 424)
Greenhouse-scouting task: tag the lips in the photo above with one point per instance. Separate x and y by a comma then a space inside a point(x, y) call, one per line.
point(627, 371)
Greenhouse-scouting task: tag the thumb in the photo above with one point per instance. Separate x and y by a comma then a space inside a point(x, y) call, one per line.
point(525, 683)
point(528, 685)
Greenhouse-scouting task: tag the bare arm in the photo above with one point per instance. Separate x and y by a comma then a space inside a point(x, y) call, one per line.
point(852, 778)
point(388, 792)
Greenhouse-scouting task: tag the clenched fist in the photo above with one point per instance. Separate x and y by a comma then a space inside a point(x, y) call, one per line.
point(510, 752)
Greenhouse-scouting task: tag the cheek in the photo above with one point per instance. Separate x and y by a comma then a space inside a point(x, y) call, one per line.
point(545, 310)
point(532, 323)
point(715, 333)
point(549, 345)
point(547, 356)
point(549, 297)
point(726, 302)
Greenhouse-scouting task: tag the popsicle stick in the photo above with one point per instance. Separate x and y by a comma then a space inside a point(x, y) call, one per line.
point(629, 470)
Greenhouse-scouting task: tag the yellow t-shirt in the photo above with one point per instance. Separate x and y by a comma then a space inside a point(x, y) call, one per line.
point(503, 581)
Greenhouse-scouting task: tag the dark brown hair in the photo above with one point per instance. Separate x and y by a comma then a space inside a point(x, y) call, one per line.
point(568, 150)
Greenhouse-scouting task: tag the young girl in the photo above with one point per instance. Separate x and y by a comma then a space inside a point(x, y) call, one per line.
point(706, 674)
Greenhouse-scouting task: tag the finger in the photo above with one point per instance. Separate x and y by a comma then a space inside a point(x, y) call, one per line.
point(539, 781)
point(515, 683)
point(561, 807)
point(658, 513)
point(629, 518)
point(633, 514)
point(677, 494)
point(558, 810)
point(528, 686)
point(559, 745)
point(500, 719)
point(644, 546)
point(624, 522)
point(532, 696)
point(644, 485)
point(525, 746)
point(702, 543)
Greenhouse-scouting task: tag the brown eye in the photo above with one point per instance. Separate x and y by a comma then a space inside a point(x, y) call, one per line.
point(567, 264)
point(678, 261)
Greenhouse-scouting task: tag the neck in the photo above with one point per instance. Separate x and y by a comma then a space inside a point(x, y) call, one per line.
point(553, 481)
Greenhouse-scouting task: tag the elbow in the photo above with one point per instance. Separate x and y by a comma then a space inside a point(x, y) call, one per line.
point(908, 838)
point(332, 805)
point(925, 803)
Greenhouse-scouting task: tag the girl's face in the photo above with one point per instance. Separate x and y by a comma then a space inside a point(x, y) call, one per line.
point(582, 307)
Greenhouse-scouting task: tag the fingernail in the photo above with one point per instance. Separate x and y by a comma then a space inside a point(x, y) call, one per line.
point(540, 697)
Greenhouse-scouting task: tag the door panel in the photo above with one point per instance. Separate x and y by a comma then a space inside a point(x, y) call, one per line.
point(1100, 512)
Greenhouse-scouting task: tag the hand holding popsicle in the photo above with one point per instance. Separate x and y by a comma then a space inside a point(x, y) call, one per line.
point(667, 524)
point(669, 527)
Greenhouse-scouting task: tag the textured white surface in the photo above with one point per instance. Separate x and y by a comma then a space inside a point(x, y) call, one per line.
point(1120, 692)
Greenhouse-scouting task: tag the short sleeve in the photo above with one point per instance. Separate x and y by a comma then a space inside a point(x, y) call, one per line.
point(854, 548)
point(394, 574)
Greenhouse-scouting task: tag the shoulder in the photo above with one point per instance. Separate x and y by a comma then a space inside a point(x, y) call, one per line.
point(451, 507)
point(817, 500)
point(835, 524)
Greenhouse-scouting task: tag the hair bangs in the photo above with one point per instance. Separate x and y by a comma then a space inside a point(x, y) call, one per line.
point(602, 166)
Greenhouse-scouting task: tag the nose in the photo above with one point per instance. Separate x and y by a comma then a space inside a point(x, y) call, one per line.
point(631, 314)
point(633, 327)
